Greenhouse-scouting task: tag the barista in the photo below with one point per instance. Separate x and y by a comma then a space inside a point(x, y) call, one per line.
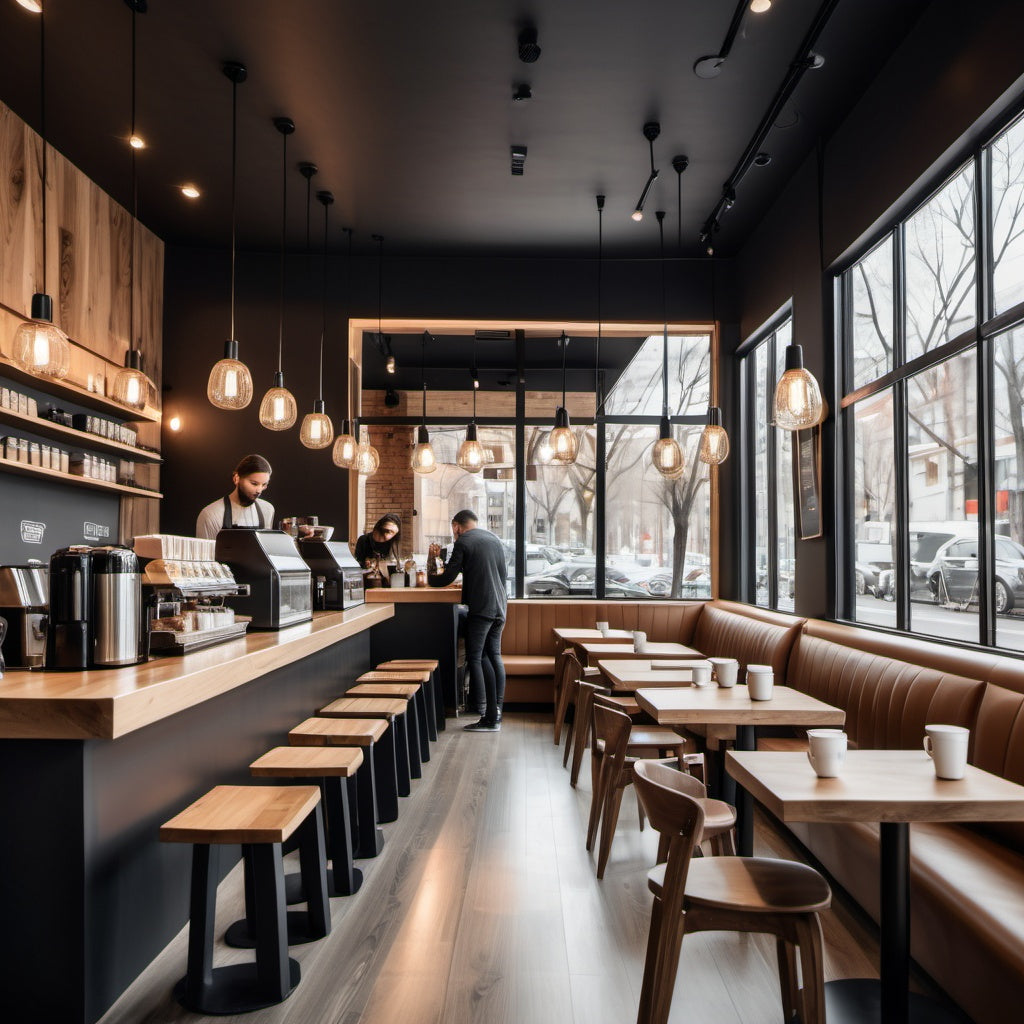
point(243, 507)
point(379, 549)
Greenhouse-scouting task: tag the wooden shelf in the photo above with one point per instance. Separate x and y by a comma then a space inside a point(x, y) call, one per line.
point(76, 393)
point(77, 438)
point(22, 469)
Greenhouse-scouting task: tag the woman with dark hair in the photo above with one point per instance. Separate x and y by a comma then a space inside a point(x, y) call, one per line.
point(380, 548)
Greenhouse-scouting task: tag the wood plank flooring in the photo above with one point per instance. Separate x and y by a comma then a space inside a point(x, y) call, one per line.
point(483, 908)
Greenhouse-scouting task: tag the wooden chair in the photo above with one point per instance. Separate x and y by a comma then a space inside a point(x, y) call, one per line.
point(743, 894)
point(574, 674)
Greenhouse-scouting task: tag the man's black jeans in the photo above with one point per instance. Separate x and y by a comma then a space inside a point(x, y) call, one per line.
point(483, 655)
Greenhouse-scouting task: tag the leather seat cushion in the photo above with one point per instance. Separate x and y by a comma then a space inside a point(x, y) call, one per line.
point(528, 665)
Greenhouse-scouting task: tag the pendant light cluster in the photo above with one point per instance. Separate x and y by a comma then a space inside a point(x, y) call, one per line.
point(39, 346)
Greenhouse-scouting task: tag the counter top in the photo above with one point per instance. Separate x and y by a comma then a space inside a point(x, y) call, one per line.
point(110, 702)
point(414, 595)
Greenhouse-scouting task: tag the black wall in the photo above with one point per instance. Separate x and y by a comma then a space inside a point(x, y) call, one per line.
point(956, 75)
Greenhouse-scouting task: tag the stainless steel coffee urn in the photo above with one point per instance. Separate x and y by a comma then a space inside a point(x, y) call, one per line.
point(117, 626)
point(23, 607)
point(67, 638)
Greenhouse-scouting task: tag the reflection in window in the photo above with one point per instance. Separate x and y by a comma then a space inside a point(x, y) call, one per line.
point(638, 391)
point(871, 314)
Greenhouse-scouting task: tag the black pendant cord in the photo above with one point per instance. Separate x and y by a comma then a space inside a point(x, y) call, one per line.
point(135, 205)
point(379, 239)
point(234, 189)
point(664, 312)
point(42, 126)
point(476, 385)
point(598, 397)
point(284, 222)
point(565, 345)
point(348, 320)
point(423, 374)
point(323, 298)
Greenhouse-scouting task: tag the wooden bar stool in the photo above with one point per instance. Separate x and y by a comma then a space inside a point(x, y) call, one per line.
point(398, 684)
point(365, 733)
point(261, 818)
point(391, 709)
point(428, 722)
point(331, 765)
point(742, 894)
point(435, 699)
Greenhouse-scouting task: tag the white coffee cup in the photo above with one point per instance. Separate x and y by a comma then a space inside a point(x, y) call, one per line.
point(701, 673)
point(602, 628)
point(827, 751)
point(639, 641)
point(760, 679)
point(726, 671)
point(946, 745)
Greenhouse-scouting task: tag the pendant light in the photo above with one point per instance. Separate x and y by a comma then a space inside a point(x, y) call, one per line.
point(367, 460)
point(471, 455)
point(714, 441)
point(797, 395)
point(39, 346)
point(230, 383)
point(543, 452)
point(317, 429)
point(423, 459)
point(131, 386)
point(278, 410)
point(666, 455)
point(561, 439)
point(345, 445)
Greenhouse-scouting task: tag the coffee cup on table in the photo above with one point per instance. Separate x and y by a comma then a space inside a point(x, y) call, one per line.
point(726, 671)
point(946, 745)
point(701, 673)
point(826, 751)
point(639, 641)
point(602, 628)
point(760, 680)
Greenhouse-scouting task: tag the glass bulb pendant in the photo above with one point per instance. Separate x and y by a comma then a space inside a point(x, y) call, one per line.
point(714, 441)
point(40, 347)
point(131, 386)
point(345, 447)
point(543, 453)
point(798, 402)
point(230, 383)
point(317, 429)
point(278, 410)
point(666, 455)
point(471, 452)
point(562, 440)
point(423, 458)
point(367, 460)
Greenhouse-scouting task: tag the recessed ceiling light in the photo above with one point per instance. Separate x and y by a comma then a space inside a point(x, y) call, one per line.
point(190, 191)
point(760, 6)
point(136, 142)
point(35, 6)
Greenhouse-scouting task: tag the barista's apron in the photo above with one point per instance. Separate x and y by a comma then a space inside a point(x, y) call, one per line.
point(226, 523)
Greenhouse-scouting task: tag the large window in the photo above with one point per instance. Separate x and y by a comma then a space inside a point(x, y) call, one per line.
point(932, 414)
point(773, 526)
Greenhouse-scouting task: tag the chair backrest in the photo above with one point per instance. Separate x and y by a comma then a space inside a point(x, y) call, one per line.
point(665, 796)
point(613, 727)
point(572, 666)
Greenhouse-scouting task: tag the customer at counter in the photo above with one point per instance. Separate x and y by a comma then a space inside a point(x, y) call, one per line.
point(379, 550)
point(480, 557)
point(243, 506)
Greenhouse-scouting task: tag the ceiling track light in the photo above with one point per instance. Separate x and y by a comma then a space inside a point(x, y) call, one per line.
point(343, 455)
point(131, 386)
point(278, 410)
point(317, 429)
point(39, 346)
point(710, 66)
point(230, 384)
point(666, 455)
point(423, 459)
point(518, 160)
point(529, 51)
point(651, 131)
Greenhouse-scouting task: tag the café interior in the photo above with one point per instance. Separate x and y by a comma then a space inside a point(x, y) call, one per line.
point(708, 312)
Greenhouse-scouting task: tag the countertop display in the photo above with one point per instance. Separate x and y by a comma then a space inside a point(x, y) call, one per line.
point(414, 595)
point(108, 703)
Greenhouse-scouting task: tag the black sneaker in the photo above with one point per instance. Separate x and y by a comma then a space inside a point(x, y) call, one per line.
point(483, 726)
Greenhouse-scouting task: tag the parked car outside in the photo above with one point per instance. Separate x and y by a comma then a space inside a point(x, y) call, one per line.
point(957, 573)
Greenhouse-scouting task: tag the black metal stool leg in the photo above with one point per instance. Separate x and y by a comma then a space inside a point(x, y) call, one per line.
point(272, 964)
point(402, 755)
point(202, 912)
point(412, 734)
point(370, 838)
point(313, 865)
point(385, 766)
point(344, 878)
point(430, 707)
point(421, 721)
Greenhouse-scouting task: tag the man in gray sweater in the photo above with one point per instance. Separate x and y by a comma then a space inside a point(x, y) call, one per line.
point(480, 557)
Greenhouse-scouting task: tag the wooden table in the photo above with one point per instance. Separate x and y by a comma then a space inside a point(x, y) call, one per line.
point(625, 676)
point(590, 651)
point(577, 634)
point(894, 788)
point(712, 705)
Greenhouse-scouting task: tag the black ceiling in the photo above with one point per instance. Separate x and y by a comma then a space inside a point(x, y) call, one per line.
point(407, 110)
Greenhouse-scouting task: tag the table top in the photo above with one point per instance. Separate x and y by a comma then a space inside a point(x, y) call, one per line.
point(630, 674)
point(591, 650)
point(876, 786)
point(578, 634)
point(712, 705)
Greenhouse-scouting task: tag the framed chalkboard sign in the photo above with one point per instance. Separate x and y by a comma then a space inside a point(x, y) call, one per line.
point(807, 481)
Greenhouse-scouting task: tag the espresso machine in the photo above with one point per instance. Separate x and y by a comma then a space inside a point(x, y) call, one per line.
point(337, 575)
point(23, 607)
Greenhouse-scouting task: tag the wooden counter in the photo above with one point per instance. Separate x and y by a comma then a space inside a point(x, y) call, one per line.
point(108, 703)
point(414, 595)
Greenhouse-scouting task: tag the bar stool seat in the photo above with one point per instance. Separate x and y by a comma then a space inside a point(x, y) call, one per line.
point(428, 722)
point(393, 710)
point(261, 818)
point(434, 699)
point(330, 765)
point(408, 686)
point(374, 802)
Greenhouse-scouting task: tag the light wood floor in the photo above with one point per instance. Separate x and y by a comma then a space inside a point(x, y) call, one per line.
point(483, 907)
